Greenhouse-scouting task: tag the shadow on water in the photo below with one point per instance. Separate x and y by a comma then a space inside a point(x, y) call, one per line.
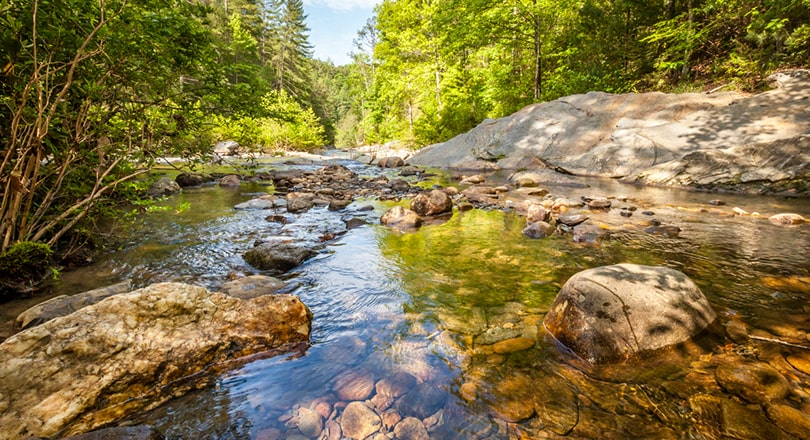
point(436, 303)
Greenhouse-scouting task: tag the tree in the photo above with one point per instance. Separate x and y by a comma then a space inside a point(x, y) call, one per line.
point(86, 86)
point(293, 51)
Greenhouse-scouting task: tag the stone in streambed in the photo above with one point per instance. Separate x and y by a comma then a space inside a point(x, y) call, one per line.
point(396, 385)
point(111, 359)
point(411, 429)
point(590, 234)
point(613, 313)
point(300, 202)
point(186, 180)
point(279, 253)
point(511, 398)
point(400, 217)
point(421, 402)
point(120, 433)
point(787, 219)
point(163, 187)
point(354, 386)
point(755, 382)
point(513, 345)
point(556, 403)
point(231, 180)
point(433, 203)
point(572, 219)
point(391, 162)
point(310, 422)
point(790, 419)
point(359, 421)
point(538, 230)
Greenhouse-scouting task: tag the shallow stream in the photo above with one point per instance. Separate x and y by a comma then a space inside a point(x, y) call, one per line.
point(431, 302)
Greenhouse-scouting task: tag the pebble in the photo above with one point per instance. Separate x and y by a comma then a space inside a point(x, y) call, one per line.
point(754, 382)
point(790, 419)
point(411, 429)
point(737, 331)
point(396, 385)
point(468, 391)
point(354, 386)
point(512, 345)
point(800, 361)
point(309, 422)
point(359, 421)
point(787, 219)
point(390, 419)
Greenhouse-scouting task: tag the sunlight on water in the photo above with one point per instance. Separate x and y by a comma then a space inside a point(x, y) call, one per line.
point(431, 303)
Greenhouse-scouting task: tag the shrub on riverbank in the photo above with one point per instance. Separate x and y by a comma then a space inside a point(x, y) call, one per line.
point(23, 266)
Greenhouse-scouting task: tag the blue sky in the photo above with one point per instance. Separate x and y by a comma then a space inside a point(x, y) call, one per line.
point(333, 24)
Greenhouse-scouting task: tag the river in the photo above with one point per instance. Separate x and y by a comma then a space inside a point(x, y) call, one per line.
point(388, 302)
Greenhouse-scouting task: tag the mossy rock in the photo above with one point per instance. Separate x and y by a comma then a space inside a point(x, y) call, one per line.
point(24, 266)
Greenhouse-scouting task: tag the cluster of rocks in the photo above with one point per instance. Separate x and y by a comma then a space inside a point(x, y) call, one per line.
point(360, 406)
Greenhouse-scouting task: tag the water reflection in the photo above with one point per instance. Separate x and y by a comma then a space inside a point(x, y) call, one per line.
point(435, 304)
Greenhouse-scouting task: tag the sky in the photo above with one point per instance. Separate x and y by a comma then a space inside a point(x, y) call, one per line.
point(333, 24)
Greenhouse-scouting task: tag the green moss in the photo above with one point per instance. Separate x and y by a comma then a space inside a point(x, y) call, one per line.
point(25, 265)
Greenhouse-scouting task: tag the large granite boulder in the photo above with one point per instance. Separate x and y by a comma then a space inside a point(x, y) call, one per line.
point(613, 313)
point(63, 305)
point(132, 352)
point(753, 143)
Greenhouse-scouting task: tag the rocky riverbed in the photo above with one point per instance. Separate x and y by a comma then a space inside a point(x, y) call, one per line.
point(436, 330)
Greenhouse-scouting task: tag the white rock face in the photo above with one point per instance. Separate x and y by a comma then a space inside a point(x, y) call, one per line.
point(726, 140)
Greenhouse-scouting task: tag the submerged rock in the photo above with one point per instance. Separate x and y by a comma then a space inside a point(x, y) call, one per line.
point(755, 382)
point(121, 433)
point(131, 351)
point(359, 421)
point(613, 313)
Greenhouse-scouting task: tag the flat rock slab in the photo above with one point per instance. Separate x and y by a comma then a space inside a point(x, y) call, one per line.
point(63, 305)
point(613, 313)
point(95, 366)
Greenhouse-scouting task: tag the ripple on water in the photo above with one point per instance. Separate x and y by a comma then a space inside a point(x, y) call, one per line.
point(386, 302)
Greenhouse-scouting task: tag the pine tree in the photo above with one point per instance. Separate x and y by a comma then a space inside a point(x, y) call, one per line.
point(293, 52)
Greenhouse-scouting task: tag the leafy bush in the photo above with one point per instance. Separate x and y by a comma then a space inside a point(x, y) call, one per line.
point(24, 266)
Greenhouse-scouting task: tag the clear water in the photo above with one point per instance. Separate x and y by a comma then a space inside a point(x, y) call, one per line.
point(386, 302)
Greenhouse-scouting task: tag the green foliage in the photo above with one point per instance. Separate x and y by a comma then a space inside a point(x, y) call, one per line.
point(428, 70)
point(24, 265)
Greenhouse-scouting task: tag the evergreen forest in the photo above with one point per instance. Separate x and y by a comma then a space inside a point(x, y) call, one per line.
point(93, 92)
